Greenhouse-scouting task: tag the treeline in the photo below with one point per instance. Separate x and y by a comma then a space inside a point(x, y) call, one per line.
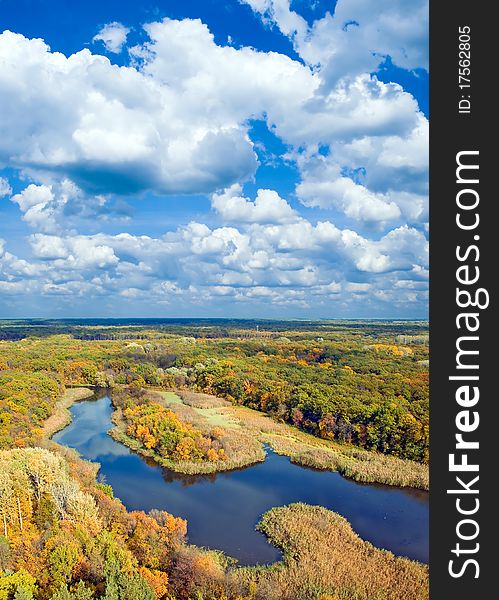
point(338, 410)
point(109, 329)
point(371, 395)
point(350, 387)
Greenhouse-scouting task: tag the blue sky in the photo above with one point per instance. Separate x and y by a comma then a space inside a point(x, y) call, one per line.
point(213, 158)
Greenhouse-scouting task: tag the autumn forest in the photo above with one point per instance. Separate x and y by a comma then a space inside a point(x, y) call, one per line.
point(201, 397)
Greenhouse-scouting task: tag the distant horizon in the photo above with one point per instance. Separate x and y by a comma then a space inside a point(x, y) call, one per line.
point(263, 319)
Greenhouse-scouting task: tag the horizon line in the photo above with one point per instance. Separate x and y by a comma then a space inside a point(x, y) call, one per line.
point(423, 319)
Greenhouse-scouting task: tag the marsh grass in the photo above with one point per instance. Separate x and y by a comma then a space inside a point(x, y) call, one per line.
point(198, 400)
point(324, 557)
point(360, 465)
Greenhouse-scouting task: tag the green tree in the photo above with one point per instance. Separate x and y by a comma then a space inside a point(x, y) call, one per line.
point(16, 584)
point(62, 560)
point(122, 586)
point(23, 593)
point(134, 587)
point(77, 592)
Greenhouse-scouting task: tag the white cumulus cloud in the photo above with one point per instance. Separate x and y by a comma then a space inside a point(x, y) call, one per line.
point(268, 207)
point(357, 36)
point(81, 131)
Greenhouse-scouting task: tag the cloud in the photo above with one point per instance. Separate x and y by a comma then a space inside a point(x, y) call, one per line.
point(15, 272)
point(113, 36)
point(245, 260)
point(61, 206)
point(75, 253)
point(391, 161)
point(268, 207)
point(177, 123)
point(300, 264)
point(357, 37)
point(37, 205)
point(323, 186)
point(370, 179)
point(82, 131)
point(289, 22)
point(115, 129)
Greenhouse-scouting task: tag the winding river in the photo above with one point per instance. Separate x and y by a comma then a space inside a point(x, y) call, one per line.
point(222, 509)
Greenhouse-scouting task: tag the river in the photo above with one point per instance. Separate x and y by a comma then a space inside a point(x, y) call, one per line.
point(222, 509)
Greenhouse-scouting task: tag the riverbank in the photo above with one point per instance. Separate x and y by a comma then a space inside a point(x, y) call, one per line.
point(244, 432)
point(354, 463)
point(61, 417)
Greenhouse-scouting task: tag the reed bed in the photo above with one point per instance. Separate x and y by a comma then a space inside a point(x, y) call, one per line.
point(362, 466)
point(324, 559)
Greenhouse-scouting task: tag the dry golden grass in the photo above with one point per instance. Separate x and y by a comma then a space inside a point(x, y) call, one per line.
point(371, 467)
point(324, 557)
point(357, 464)
point(61, 416)
point(198, 400)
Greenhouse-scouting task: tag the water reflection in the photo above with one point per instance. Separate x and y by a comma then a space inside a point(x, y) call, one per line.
point(186, 480)
point(223, 509)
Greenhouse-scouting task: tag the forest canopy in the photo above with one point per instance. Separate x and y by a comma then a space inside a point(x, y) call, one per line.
point(367, 386)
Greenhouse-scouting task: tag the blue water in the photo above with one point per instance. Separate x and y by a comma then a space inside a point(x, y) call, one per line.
point(222, 509)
